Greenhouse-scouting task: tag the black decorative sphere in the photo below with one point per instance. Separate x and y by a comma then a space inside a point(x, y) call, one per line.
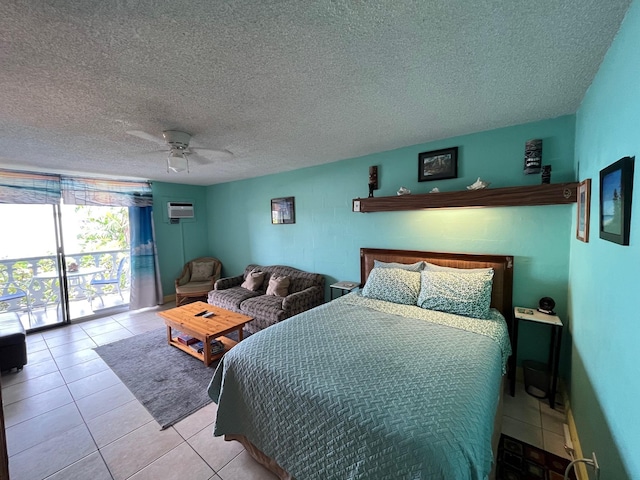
point(546, 305)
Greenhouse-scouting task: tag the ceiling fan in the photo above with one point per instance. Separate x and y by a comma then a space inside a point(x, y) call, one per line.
point(176, 143)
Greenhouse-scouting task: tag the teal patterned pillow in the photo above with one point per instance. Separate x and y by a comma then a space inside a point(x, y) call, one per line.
point(393, 285)
point(412, 267)
point(467, 294)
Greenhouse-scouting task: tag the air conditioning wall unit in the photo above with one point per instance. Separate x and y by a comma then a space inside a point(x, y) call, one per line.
point(180, 210)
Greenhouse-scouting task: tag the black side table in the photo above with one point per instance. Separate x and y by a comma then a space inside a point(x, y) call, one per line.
point(343, 287)
point(533, 315)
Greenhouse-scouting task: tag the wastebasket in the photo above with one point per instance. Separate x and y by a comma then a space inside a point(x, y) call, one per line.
point(536, 378)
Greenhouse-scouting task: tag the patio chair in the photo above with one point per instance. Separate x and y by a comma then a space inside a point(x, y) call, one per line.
point(101, 281)
point(197, 279)
point(10, 291)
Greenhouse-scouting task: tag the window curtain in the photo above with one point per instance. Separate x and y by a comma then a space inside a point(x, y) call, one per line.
point(146, 289)
point(110, 193)
point(26, 187)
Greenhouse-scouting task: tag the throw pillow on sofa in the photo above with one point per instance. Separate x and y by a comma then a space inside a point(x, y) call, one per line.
point(254, 280)
point(279, 285)
point(201, 271)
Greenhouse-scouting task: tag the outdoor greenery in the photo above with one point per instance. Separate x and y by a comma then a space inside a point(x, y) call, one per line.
point(103, 228)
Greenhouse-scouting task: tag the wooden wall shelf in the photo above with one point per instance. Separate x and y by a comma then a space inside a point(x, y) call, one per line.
point(549, 194)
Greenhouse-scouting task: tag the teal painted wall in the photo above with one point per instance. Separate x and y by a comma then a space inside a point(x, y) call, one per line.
point(605, 385)
point(327, 235)
point(179, 243)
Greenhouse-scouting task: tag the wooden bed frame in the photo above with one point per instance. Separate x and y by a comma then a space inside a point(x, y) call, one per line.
point(500, 299)
point(502, 267)
point(501, 294)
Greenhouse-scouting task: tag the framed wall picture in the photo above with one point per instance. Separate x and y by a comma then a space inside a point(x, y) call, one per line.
point(584, 208)
point(438, 164)
point(616, 189)
point(283, 210)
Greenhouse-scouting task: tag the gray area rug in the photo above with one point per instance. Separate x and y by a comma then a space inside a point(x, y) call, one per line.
point(170, 383)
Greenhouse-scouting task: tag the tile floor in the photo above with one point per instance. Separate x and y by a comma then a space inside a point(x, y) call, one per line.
point(68, 416)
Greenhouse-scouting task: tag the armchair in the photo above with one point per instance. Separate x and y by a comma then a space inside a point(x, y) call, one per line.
point(197, 278)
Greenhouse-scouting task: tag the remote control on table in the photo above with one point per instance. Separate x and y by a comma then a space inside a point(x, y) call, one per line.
point(208, 314)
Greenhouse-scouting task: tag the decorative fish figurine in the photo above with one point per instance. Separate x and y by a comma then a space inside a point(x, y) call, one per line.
point(478, 185)
point(404, 191)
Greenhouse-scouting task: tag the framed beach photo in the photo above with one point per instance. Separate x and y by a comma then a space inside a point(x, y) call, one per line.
point(584, 207)
point(616, 189)
point(438, 164)
point(283, 210)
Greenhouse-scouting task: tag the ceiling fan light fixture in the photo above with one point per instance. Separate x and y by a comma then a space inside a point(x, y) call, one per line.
point(177, 161)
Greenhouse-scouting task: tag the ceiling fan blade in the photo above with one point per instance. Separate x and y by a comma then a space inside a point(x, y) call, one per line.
point(199, 159)
point(147, 136)
point(210, 155)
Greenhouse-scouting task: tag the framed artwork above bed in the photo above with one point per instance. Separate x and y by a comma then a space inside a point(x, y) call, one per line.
point(438, 164)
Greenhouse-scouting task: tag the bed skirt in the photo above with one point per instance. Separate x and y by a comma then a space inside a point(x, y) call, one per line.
point(260, 457)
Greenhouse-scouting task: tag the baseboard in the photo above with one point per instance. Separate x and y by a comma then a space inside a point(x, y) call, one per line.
point(169, 298)
point(580, 468)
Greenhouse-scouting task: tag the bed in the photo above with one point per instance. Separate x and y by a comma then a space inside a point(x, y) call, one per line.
point(363, 387)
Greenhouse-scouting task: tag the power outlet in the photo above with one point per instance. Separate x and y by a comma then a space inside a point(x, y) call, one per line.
point(356, 205)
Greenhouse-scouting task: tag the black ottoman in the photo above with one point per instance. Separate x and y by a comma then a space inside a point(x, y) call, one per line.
point(13, 342)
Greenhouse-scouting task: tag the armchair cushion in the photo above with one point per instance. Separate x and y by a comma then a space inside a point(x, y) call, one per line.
point(201, 271)
point(193, 287)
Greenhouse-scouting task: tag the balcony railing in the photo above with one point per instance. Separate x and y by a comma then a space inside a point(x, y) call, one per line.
point(29, 276)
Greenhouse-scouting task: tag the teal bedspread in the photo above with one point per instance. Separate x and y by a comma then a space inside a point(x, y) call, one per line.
point(360, 389)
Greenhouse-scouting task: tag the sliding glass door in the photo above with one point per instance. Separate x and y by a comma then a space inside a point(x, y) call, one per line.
point(63, 263)
point(30, 282)
point(96, 246)
point(65, 250)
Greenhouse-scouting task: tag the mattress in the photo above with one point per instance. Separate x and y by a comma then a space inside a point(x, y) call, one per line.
point(360, 388)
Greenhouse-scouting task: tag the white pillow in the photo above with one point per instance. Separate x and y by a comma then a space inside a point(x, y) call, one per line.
point(438, 268)
point(412, 267)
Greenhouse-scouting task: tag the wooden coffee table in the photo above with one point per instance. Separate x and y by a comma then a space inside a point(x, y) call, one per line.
point(223, 321)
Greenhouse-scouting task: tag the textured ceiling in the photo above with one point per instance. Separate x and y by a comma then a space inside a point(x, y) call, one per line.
point(281, 84)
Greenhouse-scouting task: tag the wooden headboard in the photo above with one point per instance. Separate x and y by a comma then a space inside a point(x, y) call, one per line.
point(502, 266)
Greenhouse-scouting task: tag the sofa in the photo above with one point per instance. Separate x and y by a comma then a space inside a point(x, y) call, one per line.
point(304, 291)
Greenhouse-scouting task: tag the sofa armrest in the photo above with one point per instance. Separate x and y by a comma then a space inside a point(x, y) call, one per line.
point(228, 282)
point(301, 301)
